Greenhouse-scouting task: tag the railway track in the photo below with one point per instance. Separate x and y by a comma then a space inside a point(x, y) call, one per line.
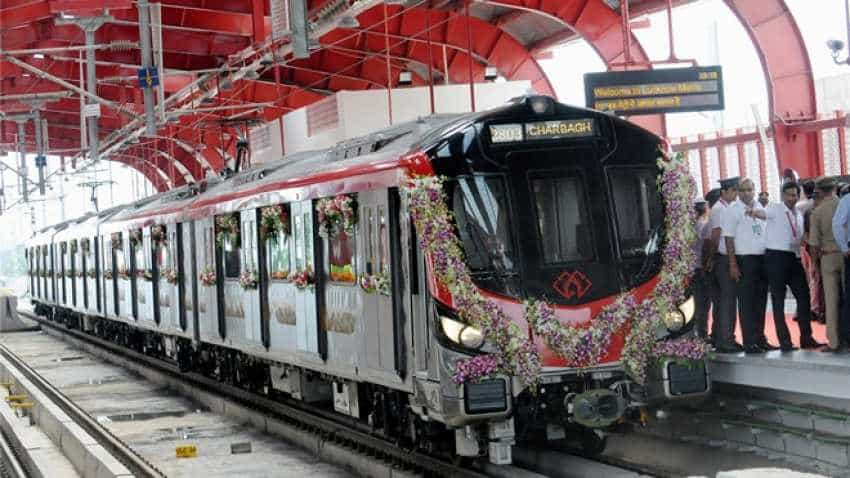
point(323, 424)
point(136, 463)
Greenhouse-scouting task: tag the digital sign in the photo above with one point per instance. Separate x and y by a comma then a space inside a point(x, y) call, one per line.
point(655, 91)
point(541, 130)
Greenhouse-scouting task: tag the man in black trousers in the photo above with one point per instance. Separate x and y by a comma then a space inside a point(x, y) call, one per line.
point(724, 313)
point(782, 263)
point(745, 239)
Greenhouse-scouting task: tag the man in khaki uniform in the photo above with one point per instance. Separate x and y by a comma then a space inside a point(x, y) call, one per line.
point(827, 252)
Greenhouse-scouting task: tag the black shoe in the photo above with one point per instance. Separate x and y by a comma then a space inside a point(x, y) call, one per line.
point(726, 349)
point(788, 348)
point(810, 343)
point(767, 346)
point(738, 346)
point(753, 349)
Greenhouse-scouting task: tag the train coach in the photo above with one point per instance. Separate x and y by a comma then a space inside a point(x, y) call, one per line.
point(309, 278)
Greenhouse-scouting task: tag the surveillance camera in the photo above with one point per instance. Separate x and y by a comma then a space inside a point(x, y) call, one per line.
point(835, 46)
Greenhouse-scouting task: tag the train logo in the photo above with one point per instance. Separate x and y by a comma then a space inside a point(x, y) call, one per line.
point(572, 284)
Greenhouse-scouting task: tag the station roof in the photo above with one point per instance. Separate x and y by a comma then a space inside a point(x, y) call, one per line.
point(223, 71)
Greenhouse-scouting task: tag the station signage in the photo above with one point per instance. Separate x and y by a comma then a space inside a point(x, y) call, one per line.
point(541, 130)
point(677, 90)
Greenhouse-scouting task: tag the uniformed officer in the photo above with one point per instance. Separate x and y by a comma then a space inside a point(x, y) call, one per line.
point(744, 235)
point(723, 326)
point(827, 252)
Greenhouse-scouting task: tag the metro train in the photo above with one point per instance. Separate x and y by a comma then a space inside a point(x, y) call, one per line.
point(303, 278)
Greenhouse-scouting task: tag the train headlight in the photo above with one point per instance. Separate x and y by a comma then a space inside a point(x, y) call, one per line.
point(462, 334)
point(674, 320)
point(540, 104)
point(688, 308)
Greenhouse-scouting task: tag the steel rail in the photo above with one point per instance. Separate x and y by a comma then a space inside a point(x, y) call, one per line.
point(10, 462)
point(138, 465)
point(320, 422)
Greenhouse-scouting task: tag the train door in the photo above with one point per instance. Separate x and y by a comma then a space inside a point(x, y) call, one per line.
point(280, 291)
point(73, 252)
point(379, 326)
point(209, 277)
point(230, 258)
point(165, 262)
point(250, 279)
point(85, 265)
point(187, 252)
point(306, 308)
point(343, 310)
point(145, 286)
point(110, 276)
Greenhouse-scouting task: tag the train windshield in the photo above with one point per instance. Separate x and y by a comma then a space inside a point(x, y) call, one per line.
point(638, 209)
point(562, 222)
point(483, 222)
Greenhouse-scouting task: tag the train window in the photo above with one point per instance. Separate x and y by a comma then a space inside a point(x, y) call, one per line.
point(278, 256)
point(164, 255)
point(481, 215)
point(341, 257)
point(298, 232)
point(638, 207)
point(308, 241)
point(369, 239)
point(232, 258)
point(562, 219)
point(383, 241)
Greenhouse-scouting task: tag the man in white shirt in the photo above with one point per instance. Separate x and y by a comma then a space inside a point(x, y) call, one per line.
point(744, 235)
point(782, 263)
point(723, 325)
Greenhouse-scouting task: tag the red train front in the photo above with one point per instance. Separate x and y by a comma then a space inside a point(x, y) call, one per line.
point(561, 205)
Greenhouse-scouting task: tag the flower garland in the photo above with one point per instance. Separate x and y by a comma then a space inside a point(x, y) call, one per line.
point(136, 238)
point(372, 283)
point(227, 229)
point(145, 274)
point(124, 273)
point(581, 346)
point(63, 247)
point(85, 245)
point(91, 273)
point(586, 346)
point(69, 274)
point(169, 274)
point(158, 234)
point(81, 274)
point(338, 212)
point(516, 354)
point(273, 220)
point(248, 280)
point(74, 246)
point(116, 240)
point(208, 277)
point(303, 279)
point(107, 274)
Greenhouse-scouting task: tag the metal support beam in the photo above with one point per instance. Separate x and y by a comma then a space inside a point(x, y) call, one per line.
point(23, 190)
point(298, 25)
point(40, 159)
point(145, 45)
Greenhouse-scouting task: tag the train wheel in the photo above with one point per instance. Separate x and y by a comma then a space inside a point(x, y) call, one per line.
point(592, 442)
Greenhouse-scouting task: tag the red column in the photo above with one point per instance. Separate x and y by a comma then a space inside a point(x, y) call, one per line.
point(842, 144)
point(258, 20)
point(762, 165)
point(742, 154)
point(703, 166)
point(721, 158)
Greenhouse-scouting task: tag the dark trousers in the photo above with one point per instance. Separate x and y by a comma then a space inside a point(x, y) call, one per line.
point(703, 285)
point(844, 324)
point(785, 270)
point(723, 327)
point(752, 298)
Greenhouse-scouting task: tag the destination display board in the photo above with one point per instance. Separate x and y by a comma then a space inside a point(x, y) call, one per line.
point(541, 130)
point(677, 90)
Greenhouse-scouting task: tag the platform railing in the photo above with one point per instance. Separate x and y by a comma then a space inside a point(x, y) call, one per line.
point(714, 155)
